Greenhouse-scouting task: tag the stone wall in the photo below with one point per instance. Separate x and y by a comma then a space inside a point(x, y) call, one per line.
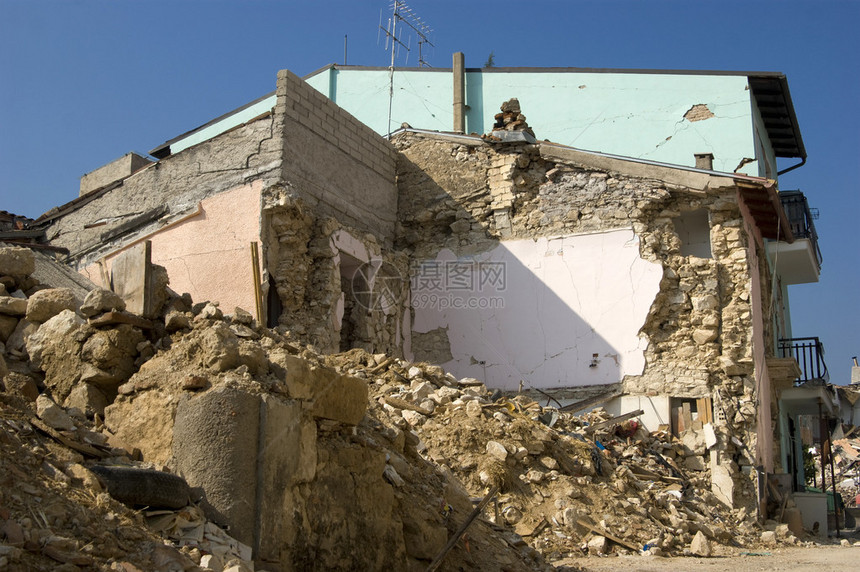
point(313, 274)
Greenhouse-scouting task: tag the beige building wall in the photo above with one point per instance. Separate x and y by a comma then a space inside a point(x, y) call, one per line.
point(207, 253)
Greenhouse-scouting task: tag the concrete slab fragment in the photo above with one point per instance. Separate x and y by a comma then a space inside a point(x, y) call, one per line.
point(130, 277)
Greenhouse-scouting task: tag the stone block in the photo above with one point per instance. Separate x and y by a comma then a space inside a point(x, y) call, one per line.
point(143, 421)
point(331, 394)
point(497, 450)
point(16, 261)
point(45, 304)
point(13, 306)
point(695, 463)
point(55, 348)
point(88, 399)
point(700, 546)
point(598, 545)
point(22, 385)
point(101, 300)
point(53, 415)
point(7, 326)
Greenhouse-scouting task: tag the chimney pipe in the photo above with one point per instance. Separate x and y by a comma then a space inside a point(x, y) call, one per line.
point(459, 69)
point(705, 161)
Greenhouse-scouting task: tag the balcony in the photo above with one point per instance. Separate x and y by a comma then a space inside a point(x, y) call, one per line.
point(809, 354)
point(800, 261)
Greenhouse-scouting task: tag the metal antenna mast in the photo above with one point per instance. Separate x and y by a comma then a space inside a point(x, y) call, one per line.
point(404, 14)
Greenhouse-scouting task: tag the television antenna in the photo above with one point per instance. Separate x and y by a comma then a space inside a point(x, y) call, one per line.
point(402, 16)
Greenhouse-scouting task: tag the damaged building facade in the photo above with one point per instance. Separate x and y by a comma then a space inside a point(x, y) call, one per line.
point(531, 266)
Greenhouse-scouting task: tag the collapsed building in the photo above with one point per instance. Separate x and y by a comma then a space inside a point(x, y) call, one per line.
point(532, 267)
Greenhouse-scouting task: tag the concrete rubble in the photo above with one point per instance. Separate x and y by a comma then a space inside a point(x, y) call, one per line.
point(301, 461)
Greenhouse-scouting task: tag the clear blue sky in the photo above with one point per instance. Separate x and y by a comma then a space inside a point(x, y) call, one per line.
point(82, 82)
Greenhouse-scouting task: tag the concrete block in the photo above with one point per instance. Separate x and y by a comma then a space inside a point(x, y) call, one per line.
point(215, 446)
point(17, 261)
point(332, 395)
point(114, 171)
point(130, 278)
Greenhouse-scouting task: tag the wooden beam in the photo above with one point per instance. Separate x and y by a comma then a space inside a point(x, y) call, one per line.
point(462, 530)
point(587, 525)
point(591, 401)
point(614, 421)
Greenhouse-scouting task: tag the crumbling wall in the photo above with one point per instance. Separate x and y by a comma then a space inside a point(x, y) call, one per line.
point(697, 334)
point(338, 288)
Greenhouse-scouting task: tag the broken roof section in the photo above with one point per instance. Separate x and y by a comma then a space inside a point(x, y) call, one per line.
point(759, 194)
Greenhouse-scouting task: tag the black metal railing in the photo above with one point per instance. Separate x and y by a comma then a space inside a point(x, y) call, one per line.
point(800, 218)
point(809, 353)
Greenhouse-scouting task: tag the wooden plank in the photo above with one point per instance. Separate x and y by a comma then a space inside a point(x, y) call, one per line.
point(614, 421)
point(84, 448)
point(585, 524)
point(687, 414)
point(462, 530)
point(591, 401)
point(113, 318)
point(709, 409)
point(677, 422)
point(403, 404)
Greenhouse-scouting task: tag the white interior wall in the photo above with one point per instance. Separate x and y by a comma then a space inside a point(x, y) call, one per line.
point(559, 302)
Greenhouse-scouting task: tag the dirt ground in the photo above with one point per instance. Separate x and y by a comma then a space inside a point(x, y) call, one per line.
point(823, 558)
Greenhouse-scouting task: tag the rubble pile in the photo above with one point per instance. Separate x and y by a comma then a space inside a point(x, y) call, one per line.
point(99, 405)
point(847, 459)
point(511, 118)
point(581, 485)
point(366, 449)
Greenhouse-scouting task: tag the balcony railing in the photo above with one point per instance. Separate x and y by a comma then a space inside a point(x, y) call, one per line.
point(809, 353)
point(800, 218)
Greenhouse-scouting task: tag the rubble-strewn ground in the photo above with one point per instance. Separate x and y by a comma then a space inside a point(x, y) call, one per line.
point(75, 390)
point(818, 558)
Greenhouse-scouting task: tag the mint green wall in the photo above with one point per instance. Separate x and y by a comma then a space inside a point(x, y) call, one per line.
point(227, 123)
point(631, 114)
point(421, 98)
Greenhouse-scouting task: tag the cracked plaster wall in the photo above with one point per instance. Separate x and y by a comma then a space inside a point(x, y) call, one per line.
point(179, 182)
point(552, 304)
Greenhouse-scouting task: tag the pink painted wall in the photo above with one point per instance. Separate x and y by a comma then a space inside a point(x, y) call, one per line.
point(764, 426)
point(208, 254)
